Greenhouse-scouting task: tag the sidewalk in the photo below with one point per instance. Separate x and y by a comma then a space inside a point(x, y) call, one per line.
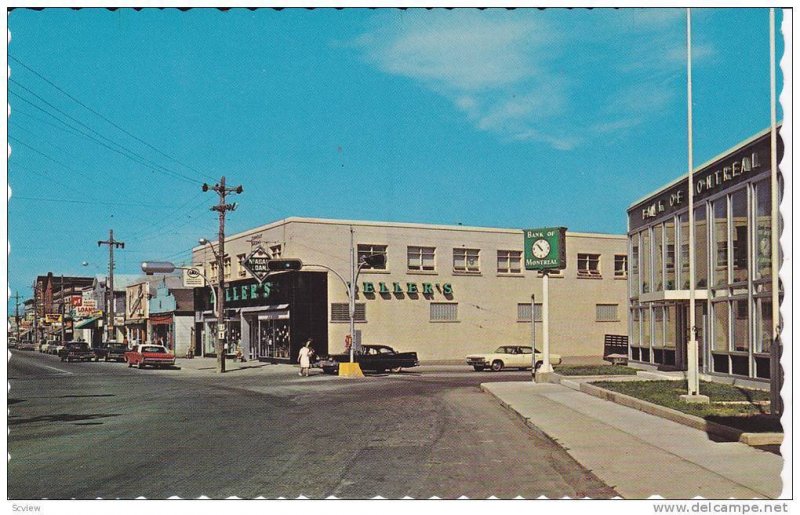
point(641, 455)
point(209, 365)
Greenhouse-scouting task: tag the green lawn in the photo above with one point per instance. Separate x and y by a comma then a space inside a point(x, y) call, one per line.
point(732, 406)
point(594, 370)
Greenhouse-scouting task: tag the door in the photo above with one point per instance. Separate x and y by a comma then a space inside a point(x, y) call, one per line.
point(270, 337)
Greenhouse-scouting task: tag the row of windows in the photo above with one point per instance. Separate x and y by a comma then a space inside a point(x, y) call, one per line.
point(732, 245)
point(423, 259)
point(448, 312)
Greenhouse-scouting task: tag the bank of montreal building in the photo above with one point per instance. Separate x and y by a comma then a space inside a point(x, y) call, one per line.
point(733, 306)
point(444, 292)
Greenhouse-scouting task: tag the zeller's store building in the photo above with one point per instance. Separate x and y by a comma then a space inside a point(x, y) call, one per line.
point(733, 266)
point(445, 291)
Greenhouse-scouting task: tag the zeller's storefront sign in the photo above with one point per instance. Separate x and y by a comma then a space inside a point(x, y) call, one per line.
point(369, 288)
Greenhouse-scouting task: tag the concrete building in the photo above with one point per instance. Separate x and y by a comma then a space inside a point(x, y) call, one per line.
point(444, 291)
point(733, 269)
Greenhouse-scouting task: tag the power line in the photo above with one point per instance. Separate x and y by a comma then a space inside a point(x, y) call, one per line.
point(142, 160)
point(74, 201)
point(104, 117)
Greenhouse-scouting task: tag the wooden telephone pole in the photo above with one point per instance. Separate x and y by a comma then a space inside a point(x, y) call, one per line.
point(222, 208)
point(111, 242)
point(16, 313)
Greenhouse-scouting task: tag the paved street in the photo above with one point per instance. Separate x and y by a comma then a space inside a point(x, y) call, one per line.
point(87, 430)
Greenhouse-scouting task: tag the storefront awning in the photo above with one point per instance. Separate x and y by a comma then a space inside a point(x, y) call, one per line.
point(86, 322)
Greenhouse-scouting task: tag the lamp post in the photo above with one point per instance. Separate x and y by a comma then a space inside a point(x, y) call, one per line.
point(221, 333)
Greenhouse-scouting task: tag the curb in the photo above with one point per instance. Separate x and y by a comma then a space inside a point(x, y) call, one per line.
point(728, 433)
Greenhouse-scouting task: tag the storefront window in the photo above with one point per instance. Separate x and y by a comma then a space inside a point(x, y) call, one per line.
point(683, 236)
point(700, 247)
point(721, 319)
point(658, 326)
point(763, 230)
point(646, 329)
point(720, 246)
point(764, 325)
point(739, 234)
point(658, 258)
point(646, 261)
point(740, 322)
point(634, 275)
point(669, 255)
point(635, 326)
point(669, 324)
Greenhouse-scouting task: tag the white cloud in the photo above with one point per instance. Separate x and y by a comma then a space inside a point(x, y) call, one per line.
point(556, 77)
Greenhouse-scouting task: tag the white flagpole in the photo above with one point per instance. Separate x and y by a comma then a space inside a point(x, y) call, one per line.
point(692, 351)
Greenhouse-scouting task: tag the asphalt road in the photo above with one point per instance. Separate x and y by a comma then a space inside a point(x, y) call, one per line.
point(102, 430)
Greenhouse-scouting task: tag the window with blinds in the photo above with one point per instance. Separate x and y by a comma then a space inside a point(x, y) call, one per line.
point(340, 312)
point(444, 311)
point(607, 312)
point(524, 312)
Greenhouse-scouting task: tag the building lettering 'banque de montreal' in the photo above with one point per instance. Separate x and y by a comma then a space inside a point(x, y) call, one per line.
point(444, 291)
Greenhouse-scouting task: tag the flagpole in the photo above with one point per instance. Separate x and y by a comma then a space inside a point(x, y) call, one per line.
point(776, 406)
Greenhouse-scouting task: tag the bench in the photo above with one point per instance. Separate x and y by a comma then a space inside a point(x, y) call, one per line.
point(615, 349)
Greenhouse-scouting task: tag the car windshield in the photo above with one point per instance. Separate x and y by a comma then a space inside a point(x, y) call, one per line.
point(153, 348)
point(117, 346)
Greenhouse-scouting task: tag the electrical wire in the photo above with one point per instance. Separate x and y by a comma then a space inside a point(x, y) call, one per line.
point(53, 84)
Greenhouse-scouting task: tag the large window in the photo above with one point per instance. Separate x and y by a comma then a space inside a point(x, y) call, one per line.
point(466, 260)
point(421, 258)
point(509, 261)
point(635, 326)
point(444, 311)
point(683, 245)
point(764, 324)
point(226, 262)
point(658, 258)
point(669, 255)
point(739, 234)
point(658, 326)
point(647, 331)
point(524, 312)
point(340, 312)
point(607, 312)
point(741, 320)
point(646, 262)
point(721, 320)
point(367, 250)
point(240, 259)
point(700, 247)
point(669, 326)
point(589, 265)
point(720, 259)
point(763, 263)
point(634, 279)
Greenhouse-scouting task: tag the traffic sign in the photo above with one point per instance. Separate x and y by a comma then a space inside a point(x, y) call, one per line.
point(193, 277)
point(257, 263)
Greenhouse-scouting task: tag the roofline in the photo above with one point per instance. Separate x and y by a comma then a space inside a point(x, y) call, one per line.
point(697, 168)
point(399, 225)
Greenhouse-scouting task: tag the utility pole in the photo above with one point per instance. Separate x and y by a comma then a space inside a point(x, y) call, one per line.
point(16, 313)
point(63, 314)
point(222, 208)
point(35, 316)
point(111, 242)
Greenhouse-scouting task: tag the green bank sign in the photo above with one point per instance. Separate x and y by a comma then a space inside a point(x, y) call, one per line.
point(545, 249)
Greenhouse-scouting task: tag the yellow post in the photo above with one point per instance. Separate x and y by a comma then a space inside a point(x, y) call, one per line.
point(350, 370)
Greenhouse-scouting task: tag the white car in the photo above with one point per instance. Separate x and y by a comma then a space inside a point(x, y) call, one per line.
point(509, 356)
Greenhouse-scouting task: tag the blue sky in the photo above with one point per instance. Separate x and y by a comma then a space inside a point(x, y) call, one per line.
point(492, 118)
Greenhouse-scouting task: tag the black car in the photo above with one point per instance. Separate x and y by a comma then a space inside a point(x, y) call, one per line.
point(372, 358)
point(110, 351)
point(77, 351)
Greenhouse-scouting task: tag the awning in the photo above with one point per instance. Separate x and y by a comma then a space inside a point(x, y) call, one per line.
point(86, 322)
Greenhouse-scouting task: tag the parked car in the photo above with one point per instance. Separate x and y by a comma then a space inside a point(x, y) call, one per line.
point(26, 346)
point(149, 355)
point(372, 358)
point(12, 342)
point(76, 351)
point(49, 347)
point(509, 356)
point(111, 351)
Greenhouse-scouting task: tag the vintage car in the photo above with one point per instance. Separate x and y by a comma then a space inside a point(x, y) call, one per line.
point(371, 358)
point(111, 351)
point(509, 356)
point(76, 351)
point(148, 355)
point(49, 346)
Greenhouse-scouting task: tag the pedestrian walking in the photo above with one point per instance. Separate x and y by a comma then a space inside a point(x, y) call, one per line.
point(304, 357)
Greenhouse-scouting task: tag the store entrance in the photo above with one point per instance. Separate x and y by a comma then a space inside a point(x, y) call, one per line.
point(270, 337)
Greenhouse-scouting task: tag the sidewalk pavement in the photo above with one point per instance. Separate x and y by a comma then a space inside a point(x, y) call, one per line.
point(641, 455)
point(209, 365)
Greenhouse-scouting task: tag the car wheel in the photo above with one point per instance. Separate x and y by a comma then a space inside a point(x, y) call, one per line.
point(130, 364)
point(538, 364)
point(478, 368)
point(497, 365)
point(140, 365)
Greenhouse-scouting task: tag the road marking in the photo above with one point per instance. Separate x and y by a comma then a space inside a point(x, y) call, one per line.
point(64, 372)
